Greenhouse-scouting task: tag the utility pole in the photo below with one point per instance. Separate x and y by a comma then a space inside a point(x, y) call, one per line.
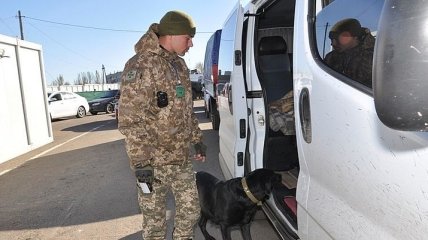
point(20, 25)
point(104, 75)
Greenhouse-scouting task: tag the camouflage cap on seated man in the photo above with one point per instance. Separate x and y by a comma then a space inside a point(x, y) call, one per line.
point(176, 23)
point(350, 25)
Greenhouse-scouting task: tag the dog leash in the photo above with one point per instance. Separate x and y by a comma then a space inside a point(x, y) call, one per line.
point(248, 192)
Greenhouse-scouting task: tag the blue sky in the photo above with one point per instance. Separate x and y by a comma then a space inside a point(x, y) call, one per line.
point(69, 50)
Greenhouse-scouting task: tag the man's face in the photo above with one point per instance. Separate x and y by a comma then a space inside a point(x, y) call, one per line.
point(181, 44)
point(343, 41)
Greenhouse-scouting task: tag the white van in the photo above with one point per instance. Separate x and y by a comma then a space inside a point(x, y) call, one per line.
point(212, 84)
point(355, 160)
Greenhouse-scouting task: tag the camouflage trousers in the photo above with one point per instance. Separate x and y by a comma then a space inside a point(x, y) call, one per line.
point(181, 180)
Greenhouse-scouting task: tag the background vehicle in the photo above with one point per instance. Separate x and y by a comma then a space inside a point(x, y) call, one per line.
point(212, 85)
point(353, 169)
point(104, 103)
point(66, 104)
point(197, 86)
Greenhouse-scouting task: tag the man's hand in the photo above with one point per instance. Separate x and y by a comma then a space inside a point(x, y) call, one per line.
point(199, 157)
point(200, 152)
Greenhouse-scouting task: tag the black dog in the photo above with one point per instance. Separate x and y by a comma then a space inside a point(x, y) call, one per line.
point(234, 202)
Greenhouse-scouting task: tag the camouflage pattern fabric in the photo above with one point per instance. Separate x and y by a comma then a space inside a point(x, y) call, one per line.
point(181, 179)
point(160, 136)
point(282, 121)
point(281, 115)
point(355, 63)
point(284, 104)
point(155, 135)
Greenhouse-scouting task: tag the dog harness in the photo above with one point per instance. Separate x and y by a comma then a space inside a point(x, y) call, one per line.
point(248, 192)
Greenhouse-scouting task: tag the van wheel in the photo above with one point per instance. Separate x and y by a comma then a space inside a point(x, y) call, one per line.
point(215, 120)
point(194, 94)
point(207, 113)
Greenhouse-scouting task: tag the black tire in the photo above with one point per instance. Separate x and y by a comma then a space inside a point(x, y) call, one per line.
point(109, 108)
point(207, 113)
point(215, 119)
point(81, 112)
point(94, 113)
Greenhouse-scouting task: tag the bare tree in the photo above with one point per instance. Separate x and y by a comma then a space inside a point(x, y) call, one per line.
point(79, 80)
point(82, 79)
point(59, 81)
point(91, 77)
point(97, 77)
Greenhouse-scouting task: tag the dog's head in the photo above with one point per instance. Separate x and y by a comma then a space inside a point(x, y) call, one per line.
point(261, 181)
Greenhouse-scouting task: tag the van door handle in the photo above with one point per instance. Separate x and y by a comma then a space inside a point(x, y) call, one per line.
point(305, 115)
point(229, 97)
point(261, 120)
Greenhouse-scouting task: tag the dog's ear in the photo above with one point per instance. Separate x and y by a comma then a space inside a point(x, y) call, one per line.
point(273, 180)
point(276, 178)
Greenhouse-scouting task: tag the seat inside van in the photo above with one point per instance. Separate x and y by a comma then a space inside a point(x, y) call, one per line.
point(274, 46)
point(277, 80)
point(275, 67)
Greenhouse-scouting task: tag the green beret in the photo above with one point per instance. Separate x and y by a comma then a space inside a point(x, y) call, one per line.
point(176, 23)
point(351, 25)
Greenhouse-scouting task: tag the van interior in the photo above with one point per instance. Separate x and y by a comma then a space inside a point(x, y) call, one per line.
point(274, 59)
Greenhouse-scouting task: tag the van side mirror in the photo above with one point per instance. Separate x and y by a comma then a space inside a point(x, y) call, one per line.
point(400, 73)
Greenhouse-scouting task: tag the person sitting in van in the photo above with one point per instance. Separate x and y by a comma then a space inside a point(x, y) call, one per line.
point(281, 114)
point(352, 53)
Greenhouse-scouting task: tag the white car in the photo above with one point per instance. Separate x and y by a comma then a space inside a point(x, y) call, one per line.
point(67, 104)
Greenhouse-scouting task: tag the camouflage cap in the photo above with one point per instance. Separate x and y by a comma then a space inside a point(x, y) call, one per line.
point(351, 25)
point(176, 23)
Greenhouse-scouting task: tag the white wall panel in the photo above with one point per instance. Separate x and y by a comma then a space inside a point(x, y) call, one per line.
point(23, 116)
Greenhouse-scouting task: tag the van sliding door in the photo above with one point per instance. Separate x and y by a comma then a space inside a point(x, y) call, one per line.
point(232, 100)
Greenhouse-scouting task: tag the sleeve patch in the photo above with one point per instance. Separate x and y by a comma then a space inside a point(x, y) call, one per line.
point(130, 76)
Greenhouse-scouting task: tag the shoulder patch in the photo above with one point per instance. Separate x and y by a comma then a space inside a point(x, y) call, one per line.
point(130, 76)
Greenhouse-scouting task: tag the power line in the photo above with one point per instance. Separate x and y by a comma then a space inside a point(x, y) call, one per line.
point(7, 26)
point(96, 28)
point(62, 45)
point(81, 26)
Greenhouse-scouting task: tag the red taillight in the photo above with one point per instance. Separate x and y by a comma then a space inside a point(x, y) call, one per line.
point(215, 73)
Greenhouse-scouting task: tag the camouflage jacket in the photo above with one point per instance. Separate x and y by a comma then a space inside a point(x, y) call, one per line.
point(155, 135)
point(355, 63)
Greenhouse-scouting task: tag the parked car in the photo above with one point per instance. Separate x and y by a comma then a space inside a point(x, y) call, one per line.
point(67, 104)
point(104, 103)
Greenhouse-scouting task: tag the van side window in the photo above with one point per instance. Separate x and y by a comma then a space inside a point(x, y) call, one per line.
point(227, 42)
point(345, 33)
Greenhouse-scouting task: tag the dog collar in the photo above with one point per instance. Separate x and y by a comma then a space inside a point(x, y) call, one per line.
point(248, 192)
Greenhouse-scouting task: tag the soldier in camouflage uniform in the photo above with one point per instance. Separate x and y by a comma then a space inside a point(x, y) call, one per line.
point(159, 125)
point(352, 53)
